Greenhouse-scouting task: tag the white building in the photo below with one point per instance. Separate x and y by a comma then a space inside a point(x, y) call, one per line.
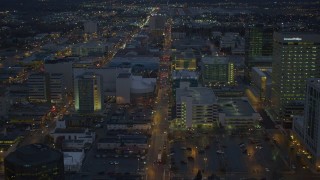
point(73, 160)
point(61, 131)
point(196, 106)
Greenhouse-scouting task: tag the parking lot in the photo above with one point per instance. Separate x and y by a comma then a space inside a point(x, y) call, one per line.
point(219, 153)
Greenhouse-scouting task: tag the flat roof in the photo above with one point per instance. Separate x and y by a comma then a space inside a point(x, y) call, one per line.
point(235, 107)
point(296, 37)
point(34, 154)
point(200, 95)
point(124, 75)
point(315, 82)
point(184, 74)
point(70, 130)
point(215, 60)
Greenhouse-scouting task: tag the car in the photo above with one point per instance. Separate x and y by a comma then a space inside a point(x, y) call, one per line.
point(116, 156)
point(101, 173)
point(220, 152)
point(116, 162)
point(190, 158)
point(111, 162)
point(267, 169)
point(125, 156)
point(104, 155)
point(142, 157)
point(245, 151)
point(183, 162)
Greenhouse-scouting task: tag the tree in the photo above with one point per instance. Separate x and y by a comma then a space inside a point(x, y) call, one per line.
point(198, 176)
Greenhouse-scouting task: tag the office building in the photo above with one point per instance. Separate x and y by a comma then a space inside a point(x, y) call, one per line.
point(295, 58)
point(88, 93)
point(34, 161)
point(38, 87)
point(64, 67)
point(258, 47)
point(185, 60)
point(261, 83)
point(196, 106)
point(306, 128)
point(217, 71)
point(57, 88)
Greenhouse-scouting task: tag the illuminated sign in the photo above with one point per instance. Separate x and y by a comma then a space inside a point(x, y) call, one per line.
point(292, 39)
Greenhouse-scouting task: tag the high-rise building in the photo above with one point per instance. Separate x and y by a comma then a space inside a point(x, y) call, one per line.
point(296, 57)
point(217, 71)
point(306, 127)
point(38, 87)
point(57, 88)
point(258, 47)
point(312, 117)
point(88, 93)
point(62, 66)
point(259, 41)
point(34, 161)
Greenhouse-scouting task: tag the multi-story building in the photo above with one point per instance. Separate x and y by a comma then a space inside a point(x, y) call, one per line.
point(259, 45)
point(306, 127)
point(217, 71)
point(261, 83)
point(184, 76)
point(38, 87)
point(88, 93)
point(34, 161)
point(196, 106)
point(62, 66)
point(295, 58)
point(57, 88)
point(185, 61)
point(89, 49)
point(123, 85)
